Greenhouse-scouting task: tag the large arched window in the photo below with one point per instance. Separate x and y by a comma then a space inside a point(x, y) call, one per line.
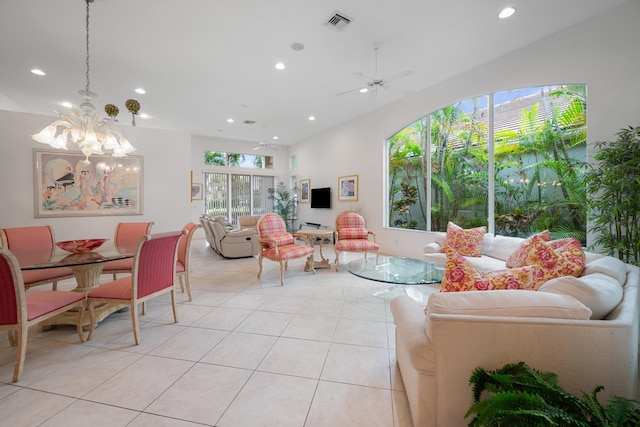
point(511, 160)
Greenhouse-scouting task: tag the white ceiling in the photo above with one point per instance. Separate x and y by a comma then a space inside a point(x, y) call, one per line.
point(203, 61)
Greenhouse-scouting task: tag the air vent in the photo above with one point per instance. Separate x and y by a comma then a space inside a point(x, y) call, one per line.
point(249, 122)
point(338, 21)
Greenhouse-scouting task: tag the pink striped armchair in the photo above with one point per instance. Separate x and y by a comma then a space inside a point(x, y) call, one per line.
point(276, 244)
point(352, 235)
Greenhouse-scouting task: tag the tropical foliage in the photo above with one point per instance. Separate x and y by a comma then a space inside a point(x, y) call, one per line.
point(519, 395)
point(613, 185)
point(444, 166)
point(284, 202)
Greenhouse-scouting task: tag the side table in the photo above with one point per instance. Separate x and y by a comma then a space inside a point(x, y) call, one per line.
point(310, 237)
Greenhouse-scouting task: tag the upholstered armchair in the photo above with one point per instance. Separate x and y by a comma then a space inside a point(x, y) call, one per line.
point(352, 235)
point(278, 245)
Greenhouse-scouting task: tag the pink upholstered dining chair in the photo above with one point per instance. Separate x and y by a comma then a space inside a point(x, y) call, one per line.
point(184, 255)
point(153, 274)
point(35, 238)
point(127, 234)
point(276, 244)
point(352, 235)
point(20, 309)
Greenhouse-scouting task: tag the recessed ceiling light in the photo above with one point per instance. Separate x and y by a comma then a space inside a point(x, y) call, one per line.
point(38, 72)
point(275, 137)
point(66, 104)
point(229, 120)
point(141, 91)
point(144, 116)
point(506, 12)
point(280, 66)
point(364, 90)
point(312, 118)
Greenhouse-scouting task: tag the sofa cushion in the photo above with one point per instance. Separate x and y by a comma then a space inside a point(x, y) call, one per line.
point(522, 255)
point(502, 247)
point(507, 303)
point(466, 242)
point(598, 291)
point(461, 275)
point(607, 265)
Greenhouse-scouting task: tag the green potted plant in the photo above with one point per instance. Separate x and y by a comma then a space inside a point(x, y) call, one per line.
point(519, 395)
point(284, 202)
point(613, 187)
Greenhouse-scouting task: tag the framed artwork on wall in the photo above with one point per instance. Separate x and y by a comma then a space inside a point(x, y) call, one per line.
point(66, 186)
point(348, 188)
point(305, 190)
point(196, 191)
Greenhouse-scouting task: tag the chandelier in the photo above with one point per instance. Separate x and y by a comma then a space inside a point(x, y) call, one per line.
point(83, 125)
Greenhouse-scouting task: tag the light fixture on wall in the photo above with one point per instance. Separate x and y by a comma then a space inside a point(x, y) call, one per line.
point(83, 126)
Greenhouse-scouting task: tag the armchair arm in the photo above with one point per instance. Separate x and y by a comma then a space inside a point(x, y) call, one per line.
point(266, 242)
point(371, 233)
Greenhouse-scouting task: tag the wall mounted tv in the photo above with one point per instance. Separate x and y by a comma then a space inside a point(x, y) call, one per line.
point(321, 197)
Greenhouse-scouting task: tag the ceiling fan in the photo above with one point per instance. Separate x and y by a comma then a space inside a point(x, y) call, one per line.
point(377, 81)
point(262, 144)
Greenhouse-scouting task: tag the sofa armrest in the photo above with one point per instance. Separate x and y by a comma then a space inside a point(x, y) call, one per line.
point(431, 248)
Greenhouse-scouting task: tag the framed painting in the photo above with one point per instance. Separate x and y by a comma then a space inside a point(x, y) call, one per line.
point(305, 190)
point(348, 186)
point(66, 186)
point(196, 191)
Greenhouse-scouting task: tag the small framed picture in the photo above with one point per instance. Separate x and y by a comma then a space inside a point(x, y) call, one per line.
point(196, 191)
point(305, 190)
point(348, 188)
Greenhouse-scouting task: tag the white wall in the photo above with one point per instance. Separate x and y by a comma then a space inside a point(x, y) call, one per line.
point(166, 163)
point(603, 52)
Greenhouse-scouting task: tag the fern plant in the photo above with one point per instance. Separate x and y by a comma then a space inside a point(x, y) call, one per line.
point(519, 395)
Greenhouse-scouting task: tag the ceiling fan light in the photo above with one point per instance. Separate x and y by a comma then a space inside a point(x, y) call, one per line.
point(364, 90)
point(506, 12)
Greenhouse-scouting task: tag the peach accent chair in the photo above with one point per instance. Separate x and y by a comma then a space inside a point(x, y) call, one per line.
point(184, 255)
point(352, 235)
point(129, 234)
point(153, 274)
point(276, 244)
point(20, 309)
point(35, 238)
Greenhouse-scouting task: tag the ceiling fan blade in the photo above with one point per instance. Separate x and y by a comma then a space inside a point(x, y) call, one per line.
point(399, 75)
point(349, 91)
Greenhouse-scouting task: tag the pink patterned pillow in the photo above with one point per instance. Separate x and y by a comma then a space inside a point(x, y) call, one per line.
point(465, 242)
point(519, 257)
point(571, 251)
point(280, 239)
point(353, 233)
point(461, 275)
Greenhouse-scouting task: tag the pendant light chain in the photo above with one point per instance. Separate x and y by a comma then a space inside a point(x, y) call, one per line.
point(87, 40)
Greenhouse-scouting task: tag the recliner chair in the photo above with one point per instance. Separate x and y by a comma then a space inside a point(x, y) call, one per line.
point(234, 243)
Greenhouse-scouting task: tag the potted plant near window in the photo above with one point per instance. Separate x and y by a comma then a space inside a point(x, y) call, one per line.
point(284, 203)
point(613, 187)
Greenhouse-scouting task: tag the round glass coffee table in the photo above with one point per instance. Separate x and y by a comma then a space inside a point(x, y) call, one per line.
point(396, 271)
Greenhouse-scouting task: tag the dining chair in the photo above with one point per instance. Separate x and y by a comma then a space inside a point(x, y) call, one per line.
point(351, 235)
point(35, 238)
point(153, 274)
point(20, 309)
point(276, 244)
point(127, 234)
point(184, 255)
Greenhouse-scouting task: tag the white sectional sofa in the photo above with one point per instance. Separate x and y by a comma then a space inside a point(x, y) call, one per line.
point(583, 329)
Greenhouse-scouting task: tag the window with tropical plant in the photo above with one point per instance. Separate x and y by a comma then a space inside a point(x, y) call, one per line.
point(218, 158)
point(511, 160)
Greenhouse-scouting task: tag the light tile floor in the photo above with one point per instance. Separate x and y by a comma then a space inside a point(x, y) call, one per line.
point(316, 352)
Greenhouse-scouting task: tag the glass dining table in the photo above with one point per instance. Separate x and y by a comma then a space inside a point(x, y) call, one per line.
point(86, 267)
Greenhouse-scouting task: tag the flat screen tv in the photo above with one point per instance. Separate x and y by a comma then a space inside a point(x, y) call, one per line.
point(321, 197)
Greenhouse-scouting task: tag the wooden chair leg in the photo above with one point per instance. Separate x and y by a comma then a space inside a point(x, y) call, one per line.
point(337, 260)
point(134, 323)
point(21, 352)
point(186, 284)
point(282, 268)
point(259, 265)
point(12, 338)
point(173, 306)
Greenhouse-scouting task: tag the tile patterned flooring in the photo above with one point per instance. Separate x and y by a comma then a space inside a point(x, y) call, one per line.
point(316, 352)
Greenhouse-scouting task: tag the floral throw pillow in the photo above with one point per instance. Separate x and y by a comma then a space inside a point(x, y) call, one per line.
point(461, 275)
point(519, 257)
point(467, 242)
point(566, 260)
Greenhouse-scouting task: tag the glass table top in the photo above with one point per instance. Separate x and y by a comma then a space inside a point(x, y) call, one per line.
point(397, 270)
